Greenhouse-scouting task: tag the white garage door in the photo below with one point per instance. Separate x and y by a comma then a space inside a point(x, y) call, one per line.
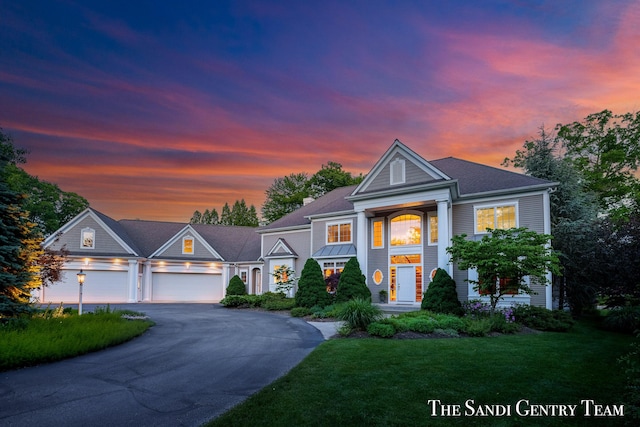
point(183, 287)
point(99, 287)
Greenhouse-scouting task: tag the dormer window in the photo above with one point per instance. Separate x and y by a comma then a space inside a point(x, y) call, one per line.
point(88, 238)
point(397, 172)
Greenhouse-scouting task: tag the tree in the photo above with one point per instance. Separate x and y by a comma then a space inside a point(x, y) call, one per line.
point(19, 240)
point(236, 286)
point(196, 218)
point(330, 177)
point(573, 216)
point(285, 279)
point(284, 196)
point(503, 259)
point(239, 215)
point(605, 149)
point(312, 290)
point(352, 283)
point(441, 295)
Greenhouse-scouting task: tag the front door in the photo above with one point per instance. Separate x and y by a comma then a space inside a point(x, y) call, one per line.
point(406, 280)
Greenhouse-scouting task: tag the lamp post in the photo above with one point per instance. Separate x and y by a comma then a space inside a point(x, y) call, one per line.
point(81, 277)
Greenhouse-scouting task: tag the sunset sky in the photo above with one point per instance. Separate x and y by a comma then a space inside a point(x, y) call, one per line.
point(153, 109)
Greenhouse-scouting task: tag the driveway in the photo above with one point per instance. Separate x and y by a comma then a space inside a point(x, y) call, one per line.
point(198, 361)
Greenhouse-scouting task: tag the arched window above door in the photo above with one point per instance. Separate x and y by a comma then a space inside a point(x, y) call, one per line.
point(406, 230)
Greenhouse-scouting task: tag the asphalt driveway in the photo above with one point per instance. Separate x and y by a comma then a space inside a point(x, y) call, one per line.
point(198, 361)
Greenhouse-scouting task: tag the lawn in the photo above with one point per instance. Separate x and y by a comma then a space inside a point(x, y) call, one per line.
point(54, 335)
point(388, 382)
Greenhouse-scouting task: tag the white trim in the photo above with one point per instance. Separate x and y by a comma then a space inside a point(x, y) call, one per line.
point(382, 222)
point(400, 248)
point(182, 233)
point(193, 241)
point(431, 214)
point(514, 203)
point(339, 224)
point(93, 238)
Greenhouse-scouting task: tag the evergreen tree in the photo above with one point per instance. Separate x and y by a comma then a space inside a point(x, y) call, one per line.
point(196, 218)
point(312, 289)
point(441, 295)
point(236, 286)
point(352, 283)
point(225, 216)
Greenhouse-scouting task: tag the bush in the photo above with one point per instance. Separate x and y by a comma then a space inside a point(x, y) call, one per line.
point(279, 304)
point(312, 289)
point(358, 313)
point(379, 329)
point(352, 283)
point(479, 327)
point(441, 295)
point(300, 312)
point(241, 301)
point(542, 319)
point(623, 319)
point(236, 286)
point(325, 312)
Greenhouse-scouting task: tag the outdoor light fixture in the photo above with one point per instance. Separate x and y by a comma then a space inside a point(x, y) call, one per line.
point(81, 277)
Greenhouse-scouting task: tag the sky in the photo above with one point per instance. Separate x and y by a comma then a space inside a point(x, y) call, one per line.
point(153, 109)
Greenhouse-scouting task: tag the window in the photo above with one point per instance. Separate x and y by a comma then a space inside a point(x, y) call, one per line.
point(88, 238)
point(397, 172)
point(508, 286)
point(187, 245)
point(406, 230)
point(378, 236)
point(243, 276)
point(331, 267)
point(339, 233)
point(433, 228)
point(495, 217)
point(377, 277)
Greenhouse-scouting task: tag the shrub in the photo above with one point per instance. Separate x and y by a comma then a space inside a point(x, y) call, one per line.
point(476, 309)
point(358, 313)
point(500, 323)
point(279, 305)
point(312, 289)
point(325, 312)
point(631, 366)
point(236, 286)
point(478, 327)
point(623, 319)
point(379, 329)
point(300, 311)
point(441, 295)
point(352, 283)
point(422, 325)
point(542, 319)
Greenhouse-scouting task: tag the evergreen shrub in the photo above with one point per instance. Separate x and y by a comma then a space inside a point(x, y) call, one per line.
point(352, 283)
point(379, 329)
point(236, 286)
point(441, 295)
point(312, 289)
point(542, 319)
point(623, 319)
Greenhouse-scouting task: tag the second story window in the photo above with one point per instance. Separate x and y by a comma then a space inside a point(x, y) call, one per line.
point(339, 233)
point(406, 230)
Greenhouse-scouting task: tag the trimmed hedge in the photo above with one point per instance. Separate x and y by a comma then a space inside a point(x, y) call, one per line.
point(236, 286)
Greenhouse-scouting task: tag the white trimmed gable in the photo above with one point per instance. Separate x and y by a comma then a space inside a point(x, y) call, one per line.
point(175, 246)
point(281, 249)
point(399, 166)
point(106, 239)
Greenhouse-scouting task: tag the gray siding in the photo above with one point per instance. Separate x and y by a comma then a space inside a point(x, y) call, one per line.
point(378, 259)
point(531, 213)
point(175, 250)
point(104, 243)
point(298, 241)
point(413, 175)
point(319, 237)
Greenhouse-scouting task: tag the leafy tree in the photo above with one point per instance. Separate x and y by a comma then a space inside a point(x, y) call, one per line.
point(605, 149)
point(352, 283)
point(330, 177)
point(47, 205)
point(312, 290)
point(284, 196)
point(441, 295)
point(573, 216)
point(506, 257)
point(236, 286)
point(285, 279)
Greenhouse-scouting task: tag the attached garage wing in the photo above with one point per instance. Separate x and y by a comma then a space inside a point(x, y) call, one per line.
point(184, 287)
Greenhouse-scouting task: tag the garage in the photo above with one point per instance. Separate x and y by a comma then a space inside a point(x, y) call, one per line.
point(99, 287)
point(186, 287)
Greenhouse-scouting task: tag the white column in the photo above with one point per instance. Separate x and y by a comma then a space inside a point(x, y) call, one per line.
point(146, 282)
point(133, 280)
point(443, 235)
point(361, 243)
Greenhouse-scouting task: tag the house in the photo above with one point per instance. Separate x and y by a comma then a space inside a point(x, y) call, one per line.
point(398, 223)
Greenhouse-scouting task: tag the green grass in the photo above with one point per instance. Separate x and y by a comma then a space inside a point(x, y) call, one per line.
point(50, 338)
point(378, 382)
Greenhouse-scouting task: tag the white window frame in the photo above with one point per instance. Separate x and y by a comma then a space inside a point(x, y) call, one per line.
point(476, 208)
point(381, 221)
point(430, 215)
point(193, 245)
point(93, 238)
point(402, 248)
point(338, 223)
